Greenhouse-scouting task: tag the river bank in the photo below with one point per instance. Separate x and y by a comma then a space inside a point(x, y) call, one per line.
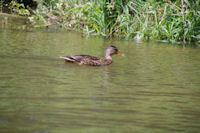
point(138, 20)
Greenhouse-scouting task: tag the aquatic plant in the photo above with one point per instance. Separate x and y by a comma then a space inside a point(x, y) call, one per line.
point(131, 19)
point(16, 8)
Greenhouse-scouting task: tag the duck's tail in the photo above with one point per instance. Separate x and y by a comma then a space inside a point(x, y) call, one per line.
point(67, 58)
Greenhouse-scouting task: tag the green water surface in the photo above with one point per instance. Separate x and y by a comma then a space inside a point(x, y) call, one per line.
point(155, 88)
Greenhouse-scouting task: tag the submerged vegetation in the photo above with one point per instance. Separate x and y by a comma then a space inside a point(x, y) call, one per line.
point(172, 20)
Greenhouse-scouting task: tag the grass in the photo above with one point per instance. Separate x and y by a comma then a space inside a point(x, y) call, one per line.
point(177, 20)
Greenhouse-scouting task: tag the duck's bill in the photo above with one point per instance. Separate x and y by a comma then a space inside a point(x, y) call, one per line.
point(118, 53)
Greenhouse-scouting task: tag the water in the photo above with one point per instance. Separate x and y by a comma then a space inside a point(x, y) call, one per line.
point(155, 88)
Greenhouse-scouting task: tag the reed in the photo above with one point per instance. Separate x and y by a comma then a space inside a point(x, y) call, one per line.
point(130, 19)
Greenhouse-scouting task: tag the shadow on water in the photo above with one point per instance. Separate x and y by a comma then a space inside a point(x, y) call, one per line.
point(154, 88)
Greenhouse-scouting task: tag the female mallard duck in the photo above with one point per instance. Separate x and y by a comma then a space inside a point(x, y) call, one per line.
point(94, 61)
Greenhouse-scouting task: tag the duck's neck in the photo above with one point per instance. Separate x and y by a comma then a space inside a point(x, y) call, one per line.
point(108, 57)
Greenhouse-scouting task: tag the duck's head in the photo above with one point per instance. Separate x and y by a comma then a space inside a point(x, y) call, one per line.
point(111, 50)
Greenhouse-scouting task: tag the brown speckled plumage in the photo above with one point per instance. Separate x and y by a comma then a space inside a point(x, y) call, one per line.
point(93, 61)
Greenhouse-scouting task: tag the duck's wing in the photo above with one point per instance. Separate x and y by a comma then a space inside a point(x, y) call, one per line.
point(89, 57)
point(79, 58)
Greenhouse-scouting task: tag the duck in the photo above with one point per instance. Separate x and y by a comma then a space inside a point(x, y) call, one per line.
point(92, 60)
